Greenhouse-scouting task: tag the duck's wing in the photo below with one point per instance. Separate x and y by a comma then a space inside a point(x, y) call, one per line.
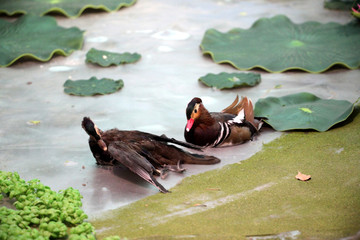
point(235, 107)
point(172, 155)
point(160, 153)
point(144, 137)
point(164, 138)
point(243, 110)
point(136, 163)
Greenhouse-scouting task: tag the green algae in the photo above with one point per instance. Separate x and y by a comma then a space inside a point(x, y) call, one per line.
point(258, 196)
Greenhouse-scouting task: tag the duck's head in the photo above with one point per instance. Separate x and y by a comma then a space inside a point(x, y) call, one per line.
point(193, 112)
point(94, 132)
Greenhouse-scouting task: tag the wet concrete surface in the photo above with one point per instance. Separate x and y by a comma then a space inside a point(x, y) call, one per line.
point(157, 89)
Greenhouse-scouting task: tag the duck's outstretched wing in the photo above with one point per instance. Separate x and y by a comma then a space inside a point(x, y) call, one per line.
point(160, 153)
point(136, 163)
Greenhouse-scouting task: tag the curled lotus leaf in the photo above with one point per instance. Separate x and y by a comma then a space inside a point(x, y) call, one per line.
point(36, 37)
point(277, 44)
point(230, 80)
point(105, 58)
point(69, 8)
point(92, 86)
point(302, 111)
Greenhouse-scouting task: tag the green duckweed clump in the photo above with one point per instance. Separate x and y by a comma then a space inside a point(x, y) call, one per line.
point(41, 213)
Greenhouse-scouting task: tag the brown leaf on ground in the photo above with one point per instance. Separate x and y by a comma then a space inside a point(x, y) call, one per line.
point(199, 205)
point(302, 177)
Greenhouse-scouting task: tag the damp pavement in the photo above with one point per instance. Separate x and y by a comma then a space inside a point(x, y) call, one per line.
point(41, 135)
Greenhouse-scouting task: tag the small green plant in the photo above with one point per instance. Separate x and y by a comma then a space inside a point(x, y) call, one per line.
point(41, 213)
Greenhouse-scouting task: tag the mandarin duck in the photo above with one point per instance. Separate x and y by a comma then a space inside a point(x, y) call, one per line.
point(233, 125)
point(142, 153)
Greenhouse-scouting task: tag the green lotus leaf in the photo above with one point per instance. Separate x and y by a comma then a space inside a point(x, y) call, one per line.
point(105, 59)
point(70, 8)
point(36, 37)
point(230, 80)
point(277, 44)
point(338, 4)
point(302, 111)
point(92, 86)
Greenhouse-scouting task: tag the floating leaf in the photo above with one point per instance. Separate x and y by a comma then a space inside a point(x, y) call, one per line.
point(92, 86)
point(231, 80)
point(302, 111)
point(33, 122)
point(36, 37)
point(338, 4)
point(277, 44)
point(69, 8)
point(302, 177)
point(105, 58)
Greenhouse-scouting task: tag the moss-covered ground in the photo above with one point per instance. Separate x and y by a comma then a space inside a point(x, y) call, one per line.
point(258, 196)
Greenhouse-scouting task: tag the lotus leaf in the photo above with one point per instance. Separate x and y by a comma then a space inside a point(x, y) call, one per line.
point(302, 111)
point(36, 37)
point(105, 59)
point(92, 86)
point(277, 44)
point(338, 4)
point(231, 80)
point(69, 8)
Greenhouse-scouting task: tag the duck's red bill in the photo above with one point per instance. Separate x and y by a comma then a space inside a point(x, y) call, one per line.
point(189, 124)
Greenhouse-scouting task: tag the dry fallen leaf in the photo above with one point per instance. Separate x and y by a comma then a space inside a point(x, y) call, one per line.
point(33, 122)
point(302, 177)
point(199, 205)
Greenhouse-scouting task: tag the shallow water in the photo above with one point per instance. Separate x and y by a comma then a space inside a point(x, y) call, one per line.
point(157, 89)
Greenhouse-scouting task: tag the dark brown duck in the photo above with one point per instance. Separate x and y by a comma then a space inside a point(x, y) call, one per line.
point(143, 153)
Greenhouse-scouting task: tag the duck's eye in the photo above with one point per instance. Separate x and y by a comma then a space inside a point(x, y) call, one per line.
point(195, 110)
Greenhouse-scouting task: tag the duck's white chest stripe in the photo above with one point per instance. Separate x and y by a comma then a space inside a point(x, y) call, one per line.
point(224, 133)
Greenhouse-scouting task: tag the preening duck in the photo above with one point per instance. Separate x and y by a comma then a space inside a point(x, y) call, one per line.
point(233, 125)
point(143, 153)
